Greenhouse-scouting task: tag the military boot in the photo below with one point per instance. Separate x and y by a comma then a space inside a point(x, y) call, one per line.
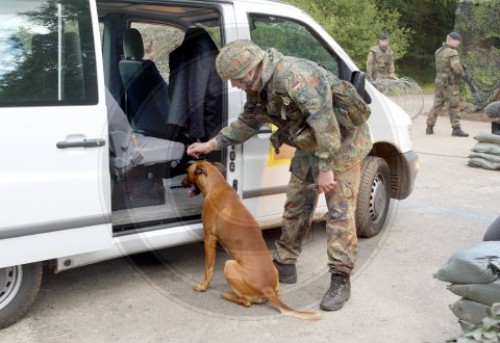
point(458, 132)
point(287, 272)
point(429, 130)
point(338, 293)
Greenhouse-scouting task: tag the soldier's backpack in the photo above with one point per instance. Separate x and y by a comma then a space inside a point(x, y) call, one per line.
point(351, 110)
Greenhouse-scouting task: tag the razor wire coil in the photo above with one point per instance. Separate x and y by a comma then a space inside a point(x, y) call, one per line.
point(405, 92)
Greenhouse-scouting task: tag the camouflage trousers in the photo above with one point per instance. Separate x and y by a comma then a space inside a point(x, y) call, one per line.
point(340, 220)
point(445, 93)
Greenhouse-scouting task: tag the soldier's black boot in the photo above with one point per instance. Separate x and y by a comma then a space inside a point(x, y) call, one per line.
point(287, 272)
point(458, 132)
point(429, 130)
point(338, 293)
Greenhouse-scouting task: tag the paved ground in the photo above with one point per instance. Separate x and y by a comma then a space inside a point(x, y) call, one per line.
point(148, 298)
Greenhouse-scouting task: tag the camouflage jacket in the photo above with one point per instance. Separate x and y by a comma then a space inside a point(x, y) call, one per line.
point(380, 63)
point(448, 66)
point(296, 96)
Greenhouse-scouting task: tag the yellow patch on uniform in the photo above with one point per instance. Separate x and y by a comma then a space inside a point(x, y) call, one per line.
point(283, 157)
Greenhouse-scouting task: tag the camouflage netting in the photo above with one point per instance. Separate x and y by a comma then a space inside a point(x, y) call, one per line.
point(477, 21)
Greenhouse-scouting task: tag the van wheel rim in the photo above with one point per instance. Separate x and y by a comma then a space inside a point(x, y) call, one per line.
point(378, 198)
point(10, 283)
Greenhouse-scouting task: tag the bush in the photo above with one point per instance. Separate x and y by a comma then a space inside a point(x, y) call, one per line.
point(477, 21)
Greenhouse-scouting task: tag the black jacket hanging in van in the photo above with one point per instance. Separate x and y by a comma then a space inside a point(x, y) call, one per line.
point(195, 88)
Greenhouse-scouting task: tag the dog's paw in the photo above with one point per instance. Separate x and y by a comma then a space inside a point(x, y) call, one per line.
point(200, 287)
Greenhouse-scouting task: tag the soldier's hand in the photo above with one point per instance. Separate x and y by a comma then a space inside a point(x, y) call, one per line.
point(326, 181)
point(197, 149)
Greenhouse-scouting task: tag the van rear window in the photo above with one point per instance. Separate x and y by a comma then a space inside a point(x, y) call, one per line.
point(47, 53)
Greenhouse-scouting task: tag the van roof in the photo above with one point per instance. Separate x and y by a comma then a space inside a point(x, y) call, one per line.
point(215, 1)
point(183, 18)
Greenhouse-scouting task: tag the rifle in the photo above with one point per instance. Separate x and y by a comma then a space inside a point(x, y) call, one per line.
point(469, 80)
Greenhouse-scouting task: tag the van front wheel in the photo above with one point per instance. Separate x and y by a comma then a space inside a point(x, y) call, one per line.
point(374, 197)
point(19, 286)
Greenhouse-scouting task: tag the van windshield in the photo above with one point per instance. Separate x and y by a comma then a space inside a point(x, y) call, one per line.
point(291, 39)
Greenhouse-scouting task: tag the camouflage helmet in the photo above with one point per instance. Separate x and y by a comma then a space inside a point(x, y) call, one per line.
point(237, 58)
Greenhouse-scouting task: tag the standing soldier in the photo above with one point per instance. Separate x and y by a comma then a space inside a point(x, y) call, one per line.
point(296, 95)
point(380, 63)
point(449, 71)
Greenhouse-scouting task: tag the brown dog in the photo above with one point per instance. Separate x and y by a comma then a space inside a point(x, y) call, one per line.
point(252, 274)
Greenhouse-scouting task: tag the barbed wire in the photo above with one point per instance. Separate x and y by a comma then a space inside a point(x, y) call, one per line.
point(405, 92)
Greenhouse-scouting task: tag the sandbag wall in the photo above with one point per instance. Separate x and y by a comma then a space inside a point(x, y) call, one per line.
point(486, 153)
point(474, 275)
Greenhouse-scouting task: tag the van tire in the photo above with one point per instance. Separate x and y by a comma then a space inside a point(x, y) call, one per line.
point(19, 286)
point(373, 197)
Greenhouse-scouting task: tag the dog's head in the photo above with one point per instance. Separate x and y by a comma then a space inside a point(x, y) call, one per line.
point(198, 169)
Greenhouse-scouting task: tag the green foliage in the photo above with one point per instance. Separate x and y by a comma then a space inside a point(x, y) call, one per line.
point(478, 22)
point(357, 24)
point(488, 331)
point(479, 19)
point(483, 65)
point(424, 75)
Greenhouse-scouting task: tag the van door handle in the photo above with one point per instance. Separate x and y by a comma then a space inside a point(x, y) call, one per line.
point(86, 143)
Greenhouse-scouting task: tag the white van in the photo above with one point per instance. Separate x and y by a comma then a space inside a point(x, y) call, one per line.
point(98, 100)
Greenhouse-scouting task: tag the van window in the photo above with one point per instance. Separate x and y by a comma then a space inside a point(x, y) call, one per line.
point(159, 41)
point(292, 39)
point(47, 58)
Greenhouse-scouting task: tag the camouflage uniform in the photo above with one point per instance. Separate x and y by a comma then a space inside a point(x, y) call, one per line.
point(296, 96)
point(380, 63)
point(449, 71)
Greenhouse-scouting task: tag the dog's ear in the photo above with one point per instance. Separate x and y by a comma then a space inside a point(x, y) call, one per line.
point(200, 169)
point(220, 167)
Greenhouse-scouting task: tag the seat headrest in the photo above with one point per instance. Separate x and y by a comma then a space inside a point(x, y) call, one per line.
point(133, 46)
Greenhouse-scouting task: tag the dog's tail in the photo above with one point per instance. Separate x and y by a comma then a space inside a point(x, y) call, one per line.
point(274, 299)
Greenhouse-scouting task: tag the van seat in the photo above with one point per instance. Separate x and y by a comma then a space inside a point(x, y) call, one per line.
point(146, 92)
point(130, 149)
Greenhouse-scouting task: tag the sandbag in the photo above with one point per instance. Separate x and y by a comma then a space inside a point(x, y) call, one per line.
point(477, 264)
point(484, 293)
point(487, 148)
point(466, 326)
point(487, 157)
point(469, 311)
point(482, 163)
point(493, 231)
point(487, 137)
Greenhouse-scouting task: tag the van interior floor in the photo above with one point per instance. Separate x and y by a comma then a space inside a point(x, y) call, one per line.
point(179, 206)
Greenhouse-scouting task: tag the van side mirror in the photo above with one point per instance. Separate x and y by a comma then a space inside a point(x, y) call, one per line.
point(358, 80)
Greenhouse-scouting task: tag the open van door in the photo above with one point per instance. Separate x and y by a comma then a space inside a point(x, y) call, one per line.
point(54, 175)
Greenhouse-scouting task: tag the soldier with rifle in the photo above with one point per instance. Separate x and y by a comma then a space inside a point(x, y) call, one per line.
point(449, 71)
